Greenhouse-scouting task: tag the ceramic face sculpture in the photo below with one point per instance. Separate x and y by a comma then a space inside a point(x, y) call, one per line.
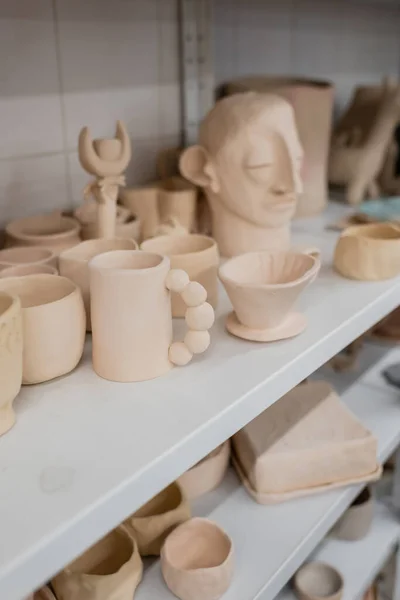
point(248, 161)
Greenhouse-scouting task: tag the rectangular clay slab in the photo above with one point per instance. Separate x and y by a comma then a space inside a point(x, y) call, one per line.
point(306, 440)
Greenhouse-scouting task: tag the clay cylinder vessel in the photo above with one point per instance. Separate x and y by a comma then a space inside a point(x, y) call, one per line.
point(197, 561)
point(54, 324)
point(368, 252)
point(356, 521)
point(112, 568)
point(22, 270)
point(10, 357)
point(177, 199)
point(317, 581)
point(207, 474)
point(155, 520)
point(143, 202)
point(195, 254)
point(73, 264)
point(53, 231)
point(23, 256)
point(312, 102)
point(127, 226)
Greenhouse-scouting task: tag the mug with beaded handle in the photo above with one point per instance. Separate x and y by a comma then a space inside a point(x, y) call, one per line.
point(130, 295)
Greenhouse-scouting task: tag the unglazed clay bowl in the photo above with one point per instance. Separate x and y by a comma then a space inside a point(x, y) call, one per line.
point(54, 324)
point(152, 523)
point(356, 521)
point(317, 581)
point(23, 256)
point(197, 255)
point(369, 252)
point(10, 357)
point(112, 568)
point(207, 474)
point(22, 270)
point(197, 561)
point(73, 263)
point(53, 231)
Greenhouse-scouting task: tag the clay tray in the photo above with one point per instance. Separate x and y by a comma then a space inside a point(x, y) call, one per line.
point(306, 443)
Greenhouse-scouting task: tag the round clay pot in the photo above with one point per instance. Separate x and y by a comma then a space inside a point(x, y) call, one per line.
point(154, 521)
point(22, 256)
point(195, 254)
point(112, 568)
point(10, 357)
point(53, 231)
point(207, 474)
point(318, 581)
point(356, 521)
point(73, 263)
point(54, 324)
point(22, 270)
point(197, 561)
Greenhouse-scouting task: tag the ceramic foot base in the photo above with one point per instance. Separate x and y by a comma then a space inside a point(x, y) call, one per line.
point(7, 419)
point(293, 325)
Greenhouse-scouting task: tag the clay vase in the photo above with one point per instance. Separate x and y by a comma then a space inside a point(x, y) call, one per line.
point(73, 264)
point(53, 231)
point(112, 568)
point(263, 288)
point(177, 199)
point(368, 252)
point(23, 256)
point(356, 521)
point(54, 324)
point(131, 316)
point(10, 358)
point(22, 270)
point(153, 522)
point(197, 561)
point(143, 202)
point(316, 580)
point(207, 474)
point(44, 593)
point(195, 254)
point(312, 102)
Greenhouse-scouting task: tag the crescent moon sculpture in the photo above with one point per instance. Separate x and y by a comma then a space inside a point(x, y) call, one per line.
point(97, 165)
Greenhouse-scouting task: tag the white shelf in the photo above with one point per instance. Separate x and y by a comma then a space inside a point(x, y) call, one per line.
point(271, 542)
point(358, 562)
point(85, 453)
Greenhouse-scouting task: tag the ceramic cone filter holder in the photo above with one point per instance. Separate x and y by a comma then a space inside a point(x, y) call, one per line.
point(308, 442)
point(263, 288)
point(154, 521)
point(368, 252)
point(22, 270)
point(197, 561)
point(248, 162)
point(112, 568)
point(356, 522)
point(317, 581)
point(74, 263)
point(127, 225)
point(134, 343)
point(23, 256)
point(143, 202)
point(207, 474)
point(106, 159)
point(54, 324)
point(197, 255)
point(54, 231)
point(10, 357)
point(312, 102)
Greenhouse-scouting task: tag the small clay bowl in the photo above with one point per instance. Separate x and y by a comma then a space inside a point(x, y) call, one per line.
point(23, 256)
point(318, 581)
point(152, 523)
point(356, 521)
point(54, 231)
point(22, 270)
point(197, 561)
point(207, 474)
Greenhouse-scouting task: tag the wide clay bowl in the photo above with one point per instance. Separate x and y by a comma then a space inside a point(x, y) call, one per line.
point(22, 256)
point(197, 561)
point(152, 523)
point(264, 286)
point(207, 474)
point(54, 231)
point(369, 252)
point(318, 581)
point(22, 270)
point(54, 324)
point(112, 568)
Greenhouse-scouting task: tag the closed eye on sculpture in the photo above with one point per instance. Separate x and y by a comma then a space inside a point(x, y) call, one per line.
point(259, 166)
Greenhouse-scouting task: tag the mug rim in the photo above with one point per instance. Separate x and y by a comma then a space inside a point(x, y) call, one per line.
point(98, 261)
point(146, 245)
point(54, 280)
point(71, 254)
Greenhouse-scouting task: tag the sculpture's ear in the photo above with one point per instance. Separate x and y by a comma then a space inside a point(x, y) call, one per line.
point(195, 165)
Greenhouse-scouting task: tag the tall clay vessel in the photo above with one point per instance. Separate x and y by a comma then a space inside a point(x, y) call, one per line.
point(10, 358)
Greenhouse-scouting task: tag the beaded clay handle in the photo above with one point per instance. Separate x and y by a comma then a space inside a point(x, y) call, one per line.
point(199, 317)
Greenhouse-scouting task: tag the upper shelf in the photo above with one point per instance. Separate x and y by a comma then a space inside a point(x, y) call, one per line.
point(85, 452)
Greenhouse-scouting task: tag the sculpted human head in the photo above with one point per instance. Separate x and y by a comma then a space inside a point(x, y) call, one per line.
point(249, 158)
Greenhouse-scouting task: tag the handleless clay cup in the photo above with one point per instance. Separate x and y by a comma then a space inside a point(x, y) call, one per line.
point(127, 225)
point(22, 270)
point(153, 522)
point(54, 323)
point(318, 581)
point(73, 264)
point(207, 474)
point(356, 521)
point(177, 199)
point(143, 202)
point(112, 568)
point(195, 254)
point(10, 357)
point(53, 231)
point(23, 256)
point(197, 561)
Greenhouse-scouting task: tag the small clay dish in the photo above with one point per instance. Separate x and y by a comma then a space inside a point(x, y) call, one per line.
point(197, 560)
point(207, 474)
point(318, 581)
point(356, 521)
point(54, 231)
point(152, 523)
point(23, 256)
point(22, 270)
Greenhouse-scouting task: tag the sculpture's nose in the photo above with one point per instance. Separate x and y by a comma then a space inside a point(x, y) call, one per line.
point(280, 188)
